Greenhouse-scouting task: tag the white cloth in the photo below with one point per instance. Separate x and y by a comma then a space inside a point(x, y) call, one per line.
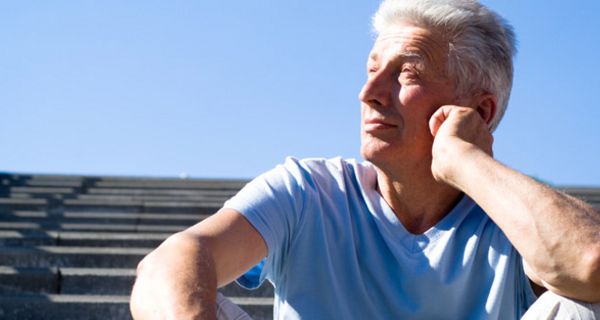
point(227, 310)
point(550, 306)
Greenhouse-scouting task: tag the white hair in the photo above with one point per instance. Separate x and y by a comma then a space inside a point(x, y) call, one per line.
point(481, 44)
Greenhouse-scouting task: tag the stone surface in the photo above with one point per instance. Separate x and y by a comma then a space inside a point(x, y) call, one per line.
point(69, 245)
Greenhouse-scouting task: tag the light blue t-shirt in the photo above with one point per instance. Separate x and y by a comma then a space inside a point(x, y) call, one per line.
point(336, 250)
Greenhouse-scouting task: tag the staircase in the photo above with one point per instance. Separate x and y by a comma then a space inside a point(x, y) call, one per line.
point(69, 245)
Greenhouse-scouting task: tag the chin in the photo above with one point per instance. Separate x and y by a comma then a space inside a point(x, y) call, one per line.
point(387, 155)
point(376, 151)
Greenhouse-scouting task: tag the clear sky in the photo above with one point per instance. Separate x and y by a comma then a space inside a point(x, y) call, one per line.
point(228, 89)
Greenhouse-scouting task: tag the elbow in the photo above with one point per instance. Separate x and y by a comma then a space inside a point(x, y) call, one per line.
point(175, 245)
point(148, 262)
point(178, 251)
point(137, 308)
point(140, 266)
point(579, 280)
point(584, 283)
point(591, 275)
point(163, 277)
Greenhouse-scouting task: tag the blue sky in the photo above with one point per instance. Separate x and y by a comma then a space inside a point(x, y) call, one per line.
point(230, 88)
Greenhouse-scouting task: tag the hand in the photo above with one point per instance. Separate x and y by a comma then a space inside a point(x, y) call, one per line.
point(458, 132)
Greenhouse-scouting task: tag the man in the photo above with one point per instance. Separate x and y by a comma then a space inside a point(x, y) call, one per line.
point(431, 227)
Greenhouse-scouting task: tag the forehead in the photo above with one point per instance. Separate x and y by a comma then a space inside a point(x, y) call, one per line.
point(408, 40)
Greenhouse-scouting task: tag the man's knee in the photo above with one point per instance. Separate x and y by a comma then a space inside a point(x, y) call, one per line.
point(552, 306)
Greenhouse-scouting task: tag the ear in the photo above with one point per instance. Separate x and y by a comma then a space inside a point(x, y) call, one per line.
point(486, 107)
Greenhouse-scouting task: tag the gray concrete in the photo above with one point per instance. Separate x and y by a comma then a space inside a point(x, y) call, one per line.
point(187, 192)
point(50, 307)
point(105, 227)
point(199, 199)
point(80, 239)
point(99, 217)
point(42, 190)
point(94, 281)
point(8, 204)
point(23, 201)
point(20, 280)
point(111, 239)
point(69, 245)
point(88, 257)
point(54, 183)
point(28, 238)
point(143, 206)
point(172, 184)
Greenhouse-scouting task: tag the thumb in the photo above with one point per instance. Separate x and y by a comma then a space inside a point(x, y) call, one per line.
point(438, 118)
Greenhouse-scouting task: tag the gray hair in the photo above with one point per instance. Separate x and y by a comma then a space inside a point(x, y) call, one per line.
point(481, 43)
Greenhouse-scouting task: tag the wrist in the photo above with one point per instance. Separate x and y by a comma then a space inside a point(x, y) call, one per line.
point(455, 163)
point(468, 167)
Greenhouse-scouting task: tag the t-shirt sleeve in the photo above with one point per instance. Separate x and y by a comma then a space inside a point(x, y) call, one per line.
point(273, 204)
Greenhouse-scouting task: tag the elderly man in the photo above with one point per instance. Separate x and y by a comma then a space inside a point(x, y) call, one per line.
point(429, 227)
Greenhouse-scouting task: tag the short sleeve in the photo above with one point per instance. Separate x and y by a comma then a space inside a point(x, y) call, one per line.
point(273, 204)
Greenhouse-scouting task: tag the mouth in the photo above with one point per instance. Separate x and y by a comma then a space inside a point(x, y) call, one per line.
point(372, 125)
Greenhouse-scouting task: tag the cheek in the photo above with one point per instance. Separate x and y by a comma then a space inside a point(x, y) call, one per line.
point(417, 106)
point(412, 97)
point(362, 115)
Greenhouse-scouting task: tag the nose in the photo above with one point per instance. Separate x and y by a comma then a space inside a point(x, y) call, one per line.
point(377, 89)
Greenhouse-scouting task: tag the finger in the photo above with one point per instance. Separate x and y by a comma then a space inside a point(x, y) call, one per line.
point(438, 118)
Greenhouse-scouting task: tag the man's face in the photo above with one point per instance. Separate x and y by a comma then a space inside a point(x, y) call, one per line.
point(406, 83)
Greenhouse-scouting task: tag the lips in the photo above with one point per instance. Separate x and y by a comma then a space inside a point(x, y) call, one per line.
point(374, 124)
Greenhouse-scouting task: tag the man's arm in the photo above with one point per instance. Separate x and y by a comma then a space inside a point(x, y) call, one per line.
point(179, 279)
point(557, 235)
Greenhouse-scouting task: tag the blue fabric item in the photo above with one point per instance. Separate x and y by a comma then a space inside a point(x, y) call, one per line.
point(251, 279)
point(336, 250)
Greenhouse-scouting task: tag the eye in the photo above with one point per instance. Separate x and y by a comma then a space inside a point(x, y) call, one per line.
point(371, 69)
point(409, 70)
point(408, 74)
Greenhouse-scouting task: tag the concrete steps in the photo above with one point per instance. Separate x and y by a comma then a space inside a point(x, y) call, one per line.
point(69, 245)
point(102, 217)
point(58, 256)
point(95, 281)
point(49, 306)
point(59, 306)
point(54, 226)
point(81, 239)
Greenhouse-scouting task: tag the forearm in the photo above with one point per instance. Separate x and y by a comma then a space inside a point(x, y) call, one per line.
point(176, 281)
point(558, 236)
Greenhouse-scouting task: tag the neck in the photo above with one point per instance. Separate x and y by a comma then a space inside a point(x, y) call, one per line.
point(417, 199)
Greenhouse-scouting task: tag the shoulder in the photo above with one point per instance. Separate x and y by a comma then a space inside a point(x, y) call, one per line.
point(327, 169)
point(307, 180)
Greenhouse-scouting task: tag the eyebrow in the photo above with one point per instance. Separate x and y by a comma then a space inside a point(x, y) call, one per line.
point(410, 56)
